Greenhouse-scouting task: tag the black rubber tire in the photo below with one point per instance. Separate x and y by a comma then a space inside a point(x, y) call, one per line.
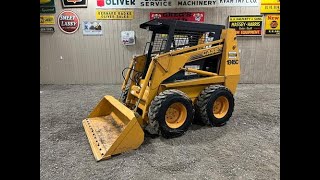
point(124, 95)
point(159, 106)
point(204, 105)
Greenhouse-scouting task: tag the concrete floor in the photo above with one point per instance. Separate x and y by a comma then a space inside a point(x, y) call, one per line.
point(248, 147)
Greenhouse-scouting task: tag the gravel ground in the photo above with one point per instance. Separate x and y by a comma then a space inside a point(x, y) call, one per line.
point(248, 147)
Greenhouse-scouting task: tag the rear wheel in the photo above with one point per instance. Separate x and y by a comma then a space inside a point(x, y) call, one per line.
point(215, 105)
point(171, 112)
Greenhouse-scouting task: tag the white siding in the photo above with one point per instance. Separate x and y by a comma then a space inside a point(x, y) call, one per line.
point(100, 59)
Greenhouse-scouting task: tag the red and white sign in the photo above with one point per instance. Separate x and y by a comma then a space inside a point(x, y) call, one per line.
point(183, 16)
point(68, 22)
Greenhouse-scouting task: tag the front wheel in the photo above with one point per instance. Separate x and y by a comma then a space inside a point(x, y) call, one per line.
point(215, 105)
point(173, 111)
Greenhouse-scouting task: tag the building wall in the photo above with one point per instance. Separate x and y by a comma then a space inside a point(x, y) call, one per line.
point(100, 59)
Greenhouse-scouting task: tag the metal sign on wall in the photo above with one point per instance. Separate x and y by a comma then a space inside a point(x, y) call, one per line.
point(74, 3)
point(45, 19)
point(47, 6)
point(114, 14)
point(127, 37)
point(272, 24)
point(250, 25)
point(183, 16)
point(68, 22)
point(47, 29)
point(270, 6)
point(92, 28)
point(156, 4)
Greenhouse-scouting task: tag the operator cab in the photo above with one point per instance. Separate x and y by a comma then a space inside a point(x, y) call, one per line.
point(170, 35)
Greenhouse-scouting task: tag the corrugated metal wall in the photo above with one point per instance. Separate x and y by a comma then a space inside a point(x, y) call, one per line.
point(100, 59)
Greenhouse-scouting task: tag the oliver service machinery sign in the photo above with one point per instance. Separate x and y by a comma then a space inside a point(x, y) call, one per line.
point(250, 25)
point(182, 16)
point(68, 22)
point(147, 4)
point(272, 24)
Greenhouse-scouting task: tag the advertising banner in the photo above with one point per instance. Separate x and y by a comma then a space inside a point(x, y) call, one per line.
point(215, 3)
point(167, 4)
point(183, 16)
point(272, 24)
point(68, 22)
point(92, 28)
point(47, 29)
point(74, 3)
point(127, 37)
point(250, 25)
point(45, 20)
point(114, 14)
point(47, 6)
point(270, 6)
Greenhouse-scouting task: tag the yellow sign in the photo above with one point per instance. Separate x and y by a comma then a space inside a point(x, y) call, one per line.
point(114, 14)
point(272, 24)
point(236, 19)
point(246, 25)
point(270, 6)
point(46, 20)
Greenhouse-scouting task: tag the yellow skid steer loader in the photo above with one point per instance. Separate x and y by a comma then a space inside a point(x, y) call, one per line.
point(188, 72)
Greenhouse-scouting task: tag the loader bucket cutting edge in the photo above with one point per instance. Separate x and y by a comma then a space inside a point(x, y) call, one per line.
point(112, 128)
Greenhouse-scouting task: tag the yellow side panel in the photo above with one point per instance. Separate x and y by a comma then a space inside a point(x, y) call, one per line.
point(230, 62)
point(193, 82)
point(232, 82)
point(192, 91)
point(193, 87)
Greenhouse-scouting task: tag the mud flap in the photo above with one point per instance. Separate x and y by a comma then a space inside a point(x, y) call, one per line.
point(112, 128)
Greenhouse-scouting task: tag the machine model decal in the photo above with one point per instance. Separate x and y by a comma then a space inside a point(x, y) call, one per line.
point(232, 62)
point(212, 51)
point(192, 67)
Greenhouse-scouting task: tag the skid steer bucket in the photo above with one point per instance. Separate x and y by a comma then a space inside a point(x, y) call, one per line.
point(112, 128)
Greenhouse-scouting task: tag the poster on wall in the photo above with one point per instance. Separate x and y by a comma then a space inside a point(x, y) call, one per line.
point(114, 14)
point(68, 22)
point(172, 4)
point(215, 3)
point(127, 37)
point(272, 25)
point(107, 4)
point(47, 6)
point(92, 28)
point(270, 6)
point(183, 16)
point(74, 3)
point(46, 19)
point(249, 25)
point(47, 29)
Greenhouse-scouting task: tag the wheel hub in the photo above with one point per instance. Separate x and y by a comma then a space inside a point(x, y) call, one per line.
point(176, 115)
point(220, 107)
